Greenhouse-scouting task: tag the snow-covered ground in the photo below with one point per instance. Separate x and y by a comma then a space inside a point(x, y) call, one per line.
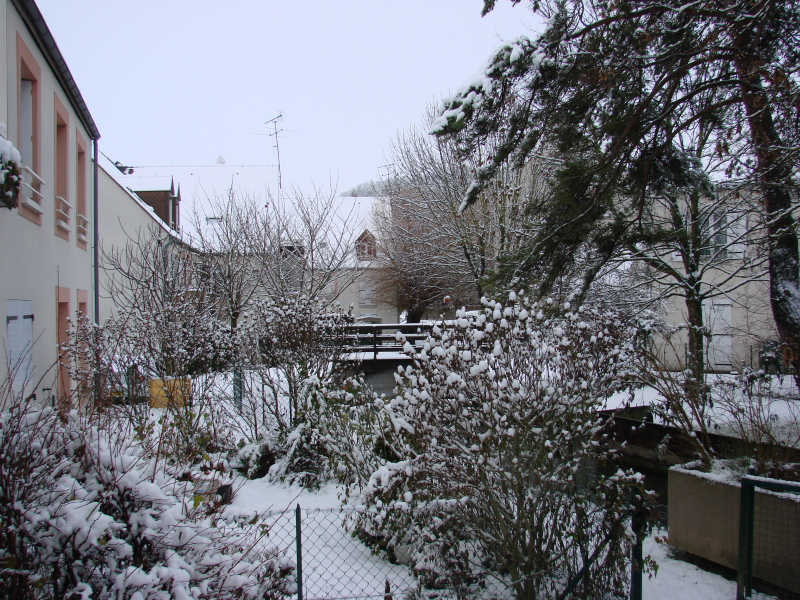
point(335, 564)
point(677, 579)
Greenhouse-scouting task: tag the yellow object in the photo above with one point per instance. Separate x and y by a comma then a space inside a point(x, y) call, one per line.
point(170, 392)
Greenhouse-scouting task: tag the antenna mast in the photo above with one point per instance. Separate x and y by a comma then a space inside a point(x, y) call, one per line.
point(275, 133)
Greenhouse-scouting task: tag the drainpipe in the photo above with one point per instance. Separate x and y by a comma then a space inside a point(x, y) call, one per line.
point(96, 253)
point(95, 210)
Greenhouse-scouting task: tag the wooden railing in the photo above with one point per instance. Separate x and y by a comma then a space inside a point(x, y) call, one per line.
point(376, 341)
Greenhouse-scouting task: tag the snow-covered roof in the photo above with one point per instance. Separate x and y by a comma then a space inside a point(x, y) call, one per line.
point(200, 182)
point(149, 184)
point(359, 208)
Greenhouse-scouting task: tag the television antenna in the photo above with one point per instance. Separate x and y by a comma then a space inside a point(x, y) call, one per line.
point(275, 133)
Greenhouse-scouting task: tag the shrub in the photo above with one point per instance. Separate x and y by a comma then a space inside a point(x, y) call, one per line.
point(10, 174)
point(499, 444)
point(85, 513)
point(759, 409)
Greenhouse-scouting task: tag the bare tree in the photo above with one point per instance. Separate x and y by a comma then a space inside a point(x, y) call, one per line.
point(431, 249)
point(253, 247)
point(410, 260)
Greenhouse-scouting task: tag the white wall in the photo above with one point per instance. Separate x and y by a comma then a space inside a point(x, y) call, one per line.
point(3, 65)
point(350, 295)
point(751, 323)
point(122, 218)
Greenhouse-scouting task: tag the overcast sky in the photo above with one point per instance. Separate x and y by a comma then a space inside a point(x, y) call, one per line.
point(181, 82)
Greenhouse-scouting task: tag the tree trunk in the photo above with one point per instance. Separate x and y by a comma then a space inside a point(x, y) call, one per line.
point(695, 385)
point(773, 178)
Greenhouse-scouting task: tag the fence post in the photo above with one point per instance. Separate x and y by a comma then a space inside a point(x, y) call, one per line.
point(298, 533)
point(637, 560)
point(744, 575)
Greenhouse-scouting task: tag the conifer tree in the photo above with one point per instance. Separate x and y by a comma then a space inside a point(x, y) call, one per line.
point(636, 97)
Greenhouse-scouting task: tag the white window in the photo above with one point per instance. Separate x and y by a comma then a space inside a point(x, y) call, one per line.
point(26, 122)
point(717, 316)
point(366, 246)
point(715, 236)
point(367, 295)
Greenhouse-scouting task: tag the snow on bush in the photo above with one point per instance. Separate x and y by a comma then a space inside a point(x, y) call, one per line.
point(296, 338)
point(115, 365)
point(86, 514)
point(497, 457)
point(10, 174)
point(339, 435)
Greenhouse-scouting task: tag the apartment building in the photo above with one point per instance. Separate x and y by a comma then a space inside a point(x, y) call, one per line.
point(47, 240)
point(48, 269)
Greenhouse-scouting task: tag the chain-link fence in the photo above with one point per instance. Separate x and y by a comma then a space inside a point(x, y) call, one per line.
point(769, 539)
point(333, 563)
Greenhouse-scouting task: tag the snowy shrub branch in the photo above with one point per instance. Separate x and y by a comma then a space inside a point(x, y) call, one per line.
point(86, 514)
point(496, 439)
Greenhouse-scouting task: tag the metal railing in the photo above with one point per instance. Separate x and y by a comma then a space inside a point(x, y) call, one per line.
point(31, 192)
point(63, 214)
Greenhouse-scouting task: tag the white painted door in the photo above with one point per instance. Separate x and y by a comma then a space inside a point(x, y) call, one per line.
point(19, 330)
point(717, 317)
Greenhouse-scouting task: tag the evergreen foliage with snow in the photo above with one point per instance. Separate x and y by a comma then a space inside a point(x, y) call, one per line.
point(495, 450)
point(638, 98)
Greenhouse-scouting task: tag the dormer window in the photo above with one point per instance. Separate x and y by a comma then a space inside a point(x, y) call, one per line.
point(366, 246)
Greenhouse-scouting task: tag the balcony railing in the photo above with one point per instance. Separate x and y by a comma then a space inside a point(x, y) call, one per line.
point(31, 190)
point(83, 228)
point(63, 214)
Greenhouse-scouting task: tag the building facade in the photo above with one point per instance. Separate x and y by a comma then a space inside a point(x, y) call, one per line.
point(49, 242)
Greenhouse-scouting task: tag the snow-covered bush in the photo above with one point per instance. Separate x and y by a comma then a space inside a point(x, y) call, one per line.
point(85, 513)
point(300, 344)
point(500, 455)
point(297, 338)
point(338, 437)
point(254, 459)
point(10, 175)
